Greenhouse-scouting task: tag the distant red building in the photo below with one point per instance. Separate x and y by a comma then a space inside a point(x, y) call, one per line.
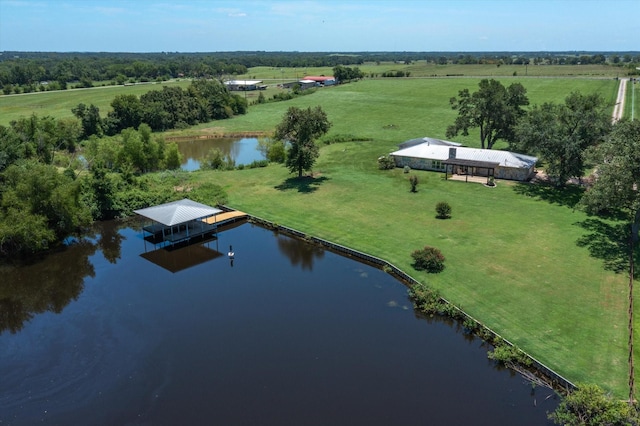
point(323, 80)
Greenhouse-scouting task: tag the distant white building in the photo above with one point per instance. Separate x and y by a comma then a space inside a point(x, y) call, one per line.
point(242, 84)
point(445, 156)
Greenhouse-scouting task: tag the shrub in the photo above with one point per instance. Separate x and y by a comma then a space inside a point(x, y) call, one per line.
point(429, 259)
point(413, 180)
point(258, 163)
point(590, 405)
point(386, 162)
point(406, 169)
point(507, 354)
point(443, 210)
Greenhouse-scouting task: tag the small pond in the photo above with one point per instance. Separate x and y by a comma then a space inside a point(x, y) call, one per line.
point(113, 332)
point(241, 150)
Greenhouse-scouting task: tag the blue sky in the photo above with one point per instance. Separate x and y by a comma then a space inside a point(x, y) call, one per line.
point(340, 26)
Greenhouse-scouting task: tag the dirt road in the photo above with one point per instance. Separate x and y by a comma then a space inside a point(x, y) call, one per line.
point(618, 108)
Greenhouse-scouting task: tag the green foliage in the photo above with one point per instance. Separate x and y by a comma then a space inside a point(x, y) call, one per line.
point(590, 406)
point(509, 354)
point(428, 259)
point(426, 299)
point(217, 160)
point(413, 181)
point(493, 108)
point(90, 120)
point(39, 207)
point(386, 162)
point(337, 138)
point(406, 169)
point(273, 150)
point(210, 194)
point(126, 112)
point(99, 192)
point(616, 188)
point(173, 157)
point(299, 129)
point(258, 163)
point(443, 210)
point(344, 74)
point(11, 147)
point(561, 134)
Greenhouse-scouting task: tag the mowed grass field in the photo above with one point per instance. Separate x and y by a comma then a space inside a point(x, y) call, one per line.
point(512, 255)
point(59, 103)
point(424, 69)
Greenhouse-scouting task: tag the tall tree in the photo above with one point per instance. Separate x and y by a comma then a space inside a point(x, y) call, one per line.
point(493, 108)
point(38, 207)
point(89, 118)
point(617, 187)
point(127, 112)
point(299, 129)
point(561, 134)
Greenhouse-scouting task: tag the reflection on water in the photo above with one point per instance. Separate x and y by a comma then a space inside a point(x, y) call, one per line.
point(242, 151)
point(299, 252)
point(48, 284)
point(287, 334)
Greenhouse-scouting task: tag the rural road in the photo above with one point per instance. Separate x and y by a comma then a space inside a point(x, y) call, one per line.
point(618, 108)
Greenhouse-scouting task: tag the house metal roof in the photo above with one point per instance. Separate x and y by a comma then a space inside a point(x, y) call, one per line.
point(243, 82)
point(431, 141)
point(177, 212)
point(440, 152)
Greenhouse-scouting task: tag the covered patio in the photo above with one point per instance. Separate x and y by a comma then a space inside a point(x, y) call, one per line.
point(469, 169)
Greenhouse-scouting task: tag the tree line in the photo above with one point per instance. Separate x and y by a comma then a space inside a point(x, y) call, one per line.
point(172, 107)
point(22, 72)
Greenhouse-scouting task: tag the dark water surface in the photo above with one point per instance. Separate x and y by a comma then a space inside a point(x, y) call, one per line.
point(288, 334)
point(242, 151)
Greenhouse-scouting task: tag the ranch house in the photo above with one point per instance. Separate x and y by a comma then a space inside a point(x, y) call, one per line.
point(450, 157)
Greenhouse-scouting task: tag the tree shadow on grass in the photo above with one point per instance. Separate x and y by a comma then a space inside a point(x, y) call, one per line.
point(568, 195)
point(610, 243)
point(304, 184)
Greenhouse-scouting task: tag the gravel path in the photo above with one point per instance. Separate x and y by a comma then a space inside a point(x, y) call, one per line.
point(618, 108)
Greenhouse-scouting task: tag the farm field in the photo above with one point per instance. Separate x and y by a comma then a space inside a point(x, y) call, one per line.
point(397, 109)
point(424, 69)
point(58, 104)
point(517, 255)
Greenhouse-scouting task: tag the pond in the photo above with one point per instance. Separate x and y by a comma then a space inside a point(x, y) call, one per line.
point(111, 331)
point(242, 151)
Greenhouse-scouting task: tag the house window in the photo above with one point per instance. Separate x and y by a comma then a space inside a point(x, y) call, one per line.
point(436, 164)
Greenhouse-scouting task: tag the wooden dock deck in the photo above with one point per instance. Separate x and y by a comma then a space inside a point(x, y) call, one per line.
point(225, 217)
